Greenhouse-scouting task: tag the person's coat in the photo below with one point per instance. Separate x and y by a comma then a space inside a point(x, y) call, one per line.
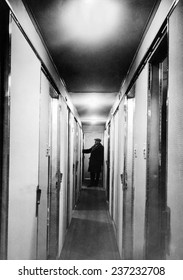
point(96, 157)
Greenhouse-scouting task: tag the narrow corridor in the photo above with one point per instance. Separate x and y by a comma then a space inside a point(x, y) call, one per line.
point(73, 75)
point(91, 233)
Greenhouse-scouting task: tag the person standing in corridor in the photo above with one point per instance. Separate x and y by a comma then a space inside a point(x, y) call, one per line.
point(95, 161)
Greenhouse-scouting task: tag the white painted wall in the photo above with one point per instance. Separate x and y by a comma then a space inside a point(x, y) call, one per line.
point(175, 133)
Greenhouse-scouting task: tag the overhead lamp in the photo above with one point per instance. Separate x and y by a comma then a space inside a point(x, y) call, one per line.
point(90, 21)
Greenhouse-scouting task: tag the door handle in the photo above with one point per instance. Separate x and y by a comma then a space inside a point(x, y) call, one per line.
point(38, 199)
point(124, 180)
point(59, 176)
point(59, 180)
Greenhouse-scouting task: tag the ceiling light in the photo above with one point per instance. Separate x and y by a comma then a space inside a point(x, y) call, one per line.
point(90, 21)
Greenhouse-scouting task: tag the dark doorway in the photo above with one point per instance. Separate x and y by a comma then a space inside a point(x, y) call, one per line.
point(157, 212)
point(4, 125)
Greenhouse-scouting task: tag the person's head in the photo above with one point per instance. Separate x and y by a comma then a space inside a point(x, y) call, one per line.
point(97, 140)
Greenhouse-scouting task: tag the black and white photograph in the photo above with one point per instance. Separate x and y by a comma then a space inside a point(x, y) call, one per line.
point(91, 133)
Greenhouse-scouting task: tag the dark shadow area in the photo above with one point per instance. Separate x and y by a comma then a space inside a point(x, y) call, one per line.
point(92, 198)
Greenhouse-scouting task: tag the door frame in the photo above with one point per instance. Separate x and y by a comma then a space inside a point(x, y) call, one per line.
point(157, 212)
point(5, 71)
point(54, 178)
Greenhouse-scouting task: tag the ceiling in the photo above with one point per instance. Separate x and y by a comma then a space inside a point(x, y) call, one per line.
point(92, 43)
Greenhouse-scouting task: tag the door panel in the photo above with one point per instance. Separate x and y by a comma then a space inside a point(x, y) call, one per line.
point(77, 162)
point(111, 175)
point(140, 139)
point(64, 171)
point(108, 162)
point(54, 180)
point(156, 205)
point(75, 167)
point(44, 154)
point(121, 126)
point(116, 170)
point(24, 148)
point(70, 168)
point(128, 191)
point(4, 125)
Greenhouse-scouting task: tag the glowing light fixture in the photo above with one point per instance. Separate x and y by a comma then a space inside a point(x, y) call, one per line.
point(94, 101)
point(90, 21)
point(95, 120)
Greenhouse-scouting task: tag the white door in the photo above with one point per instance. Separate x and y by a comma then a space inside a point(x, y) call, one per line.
point(121, 135)
point(44, 156)
point(54, 196)
point(24, 148)
point(70, 168)
point(64, 171)
point(140, 139)
point(116, 170)
point(128, 180)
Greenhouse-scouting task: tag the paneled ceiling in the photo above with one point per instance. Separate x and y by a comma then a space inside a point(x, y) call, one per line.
point(92, 43)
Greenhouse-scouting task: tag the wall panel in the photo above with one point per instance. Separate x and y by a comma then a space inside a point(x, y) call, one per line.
point(175, 132)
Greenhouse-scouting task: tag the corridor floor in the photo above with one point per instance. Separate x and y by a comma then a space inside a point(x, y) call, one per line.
point(91, 234)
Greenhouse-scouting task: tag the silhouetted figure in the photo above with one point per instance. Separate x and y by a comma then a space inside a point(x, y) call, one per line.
point(95, 161)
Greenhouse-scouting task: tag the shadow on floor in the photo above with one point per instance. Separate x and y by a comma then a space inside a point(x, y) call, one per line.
point(91, 233)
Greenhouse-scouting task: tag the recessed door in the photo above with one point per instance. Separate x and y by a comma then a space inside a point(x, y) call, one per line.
point(156, 205)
